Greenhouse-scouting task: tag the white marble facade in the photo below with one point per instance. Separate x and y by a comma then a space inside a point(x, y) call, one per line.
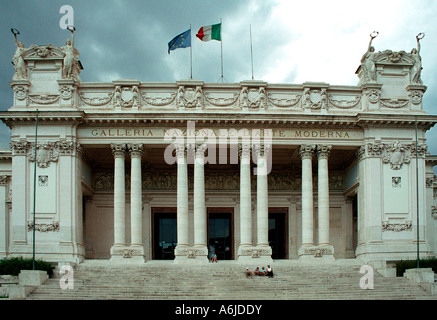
point(336, 163)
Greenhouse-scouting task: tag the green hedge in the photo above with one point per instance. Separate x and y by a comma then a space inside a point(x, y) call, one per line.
point(403, 265)
point(12, 266)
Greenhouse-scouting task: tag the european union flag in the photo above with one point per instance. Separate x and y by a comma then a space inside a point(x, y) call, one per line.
point(182, 40)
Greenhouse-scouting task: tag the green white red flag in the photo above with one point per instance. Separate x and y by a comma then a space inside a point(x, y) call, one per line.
point(212, 32)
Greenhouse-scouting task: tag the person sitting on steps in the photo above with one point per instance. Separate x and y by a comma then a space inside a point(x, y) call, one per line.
point(214, 257)
point(248, 273)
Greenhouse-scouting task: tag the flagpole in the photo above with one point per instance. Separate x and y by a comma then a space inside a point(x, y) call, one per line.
point(251, 53)
point(191, 56)
point(34, 190)
point(417, 192)
point(221, 47)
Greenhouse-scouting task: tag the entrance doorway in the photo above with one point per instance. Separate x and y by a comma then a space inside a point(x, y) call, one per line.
point(220, 232)
point(164, 233)
point(278, 231)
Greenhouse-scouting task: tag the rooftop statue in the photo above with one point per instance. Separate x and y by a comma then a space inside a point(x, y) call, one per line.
point(368, 60)
point(416, 69)
point(17, 59)
point(71, 56)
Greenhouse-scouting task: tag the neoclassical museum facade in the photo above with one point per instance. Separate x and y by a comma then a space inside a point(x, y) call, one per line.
point(132, 171)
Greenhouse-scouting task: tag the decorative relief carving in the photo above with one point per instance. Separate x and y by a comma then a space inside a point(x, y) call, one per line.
point(45, 154)
point(397, 227)
point(284, 102)
point(434, 211)
point(345, 103)
point(127, 252)
point(20, 147)
point(44, 51)
point(394, 103)
point(190, 97)
point(159, 101)
point(314, 99)
point(43, 227)
point(252, 98)
point(415, 96)
point(307, 151)
point(373, 94)
point(97, 101)
point(20, 92)
point(396, 155)
point(126, 97)
point(66, 92)
point(221, 101)
point(374, 149)
point(317, 252)
point(43, 99)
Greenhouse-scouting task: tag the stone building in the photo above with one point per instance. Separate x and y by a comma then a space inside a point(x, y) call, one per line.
point(136, 171)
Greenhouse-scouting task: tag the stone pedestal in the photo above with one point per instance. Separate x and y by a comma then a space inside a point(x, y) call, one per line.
point(316, 254)
point(127, 254)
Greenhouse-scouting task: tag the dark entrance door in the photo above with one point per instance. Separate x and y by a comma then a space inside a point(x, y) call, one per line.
point(220, 232)
point(278, 230)
point(164, 233)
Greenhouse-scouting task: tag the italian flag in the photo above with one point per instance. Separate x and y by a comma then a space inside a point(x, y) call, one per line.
point(208, 33)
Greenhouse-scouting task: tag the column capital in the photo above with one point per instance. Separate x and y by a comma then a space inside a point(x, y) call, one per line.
point(118, 149)
point(135, 149)
point(200, 149)
point(323, 151)
point(181, 150)
point(244, 150)
point(261, 150)
point(306, 151)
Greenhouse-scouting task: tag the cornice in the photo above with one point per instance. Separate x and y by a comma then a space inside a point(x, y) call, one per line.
point(11, 118)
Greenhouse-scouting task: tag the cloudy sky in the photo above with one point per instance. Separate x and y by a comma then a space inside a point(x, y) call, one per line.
point(293, 41)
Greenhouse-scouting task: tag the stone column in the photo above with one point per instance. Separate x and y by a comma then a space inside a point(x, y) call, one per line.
point(119, 150)
point(245, 197)
point(136, 199)
point(306, 153)
point(200, 224)
point(262, 202)
point(182, 202)
point(323, 194)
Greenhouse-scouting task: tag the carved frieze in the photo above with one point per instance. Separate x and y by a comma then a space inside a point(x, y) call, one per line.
point(284, 101)
point(97, 99)
point(43, 227)
point(158, 99)
point(43, 99)
point(394, 103)
point(397, 227)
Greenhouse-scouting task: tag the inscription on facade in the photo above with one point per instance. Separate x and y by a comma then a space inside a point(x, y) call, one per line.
point(174, 132)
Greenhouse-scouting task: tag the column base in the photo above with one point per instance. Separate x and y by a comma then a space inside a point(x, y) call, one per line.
point(191, 255)
point(130, 255)
point(315, 254)
point(258, 254)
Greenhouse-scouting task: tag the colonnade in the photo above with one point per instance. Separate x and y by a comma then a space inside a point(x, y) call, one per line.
point(247, 248)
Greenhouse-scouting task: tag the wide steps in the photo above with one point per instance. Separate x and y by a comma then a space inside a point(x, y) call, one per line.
point(224, 281)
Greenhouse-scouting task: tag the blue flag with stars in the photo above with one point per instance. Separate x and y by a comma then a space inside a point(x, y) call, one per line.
point(182, 40)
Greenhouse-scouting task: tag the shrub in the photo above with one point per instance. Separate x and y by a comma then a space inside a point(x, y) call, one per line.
point(12, 266)
point(403, 265)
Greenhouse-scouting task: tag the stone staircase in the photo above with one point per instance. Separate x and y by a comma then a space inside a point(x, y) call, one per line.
point(225, 281)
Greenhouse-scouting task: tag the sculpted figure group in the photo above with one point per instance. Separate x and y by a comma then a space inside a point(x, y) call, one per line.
point(368, 61)
point(71, 55)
